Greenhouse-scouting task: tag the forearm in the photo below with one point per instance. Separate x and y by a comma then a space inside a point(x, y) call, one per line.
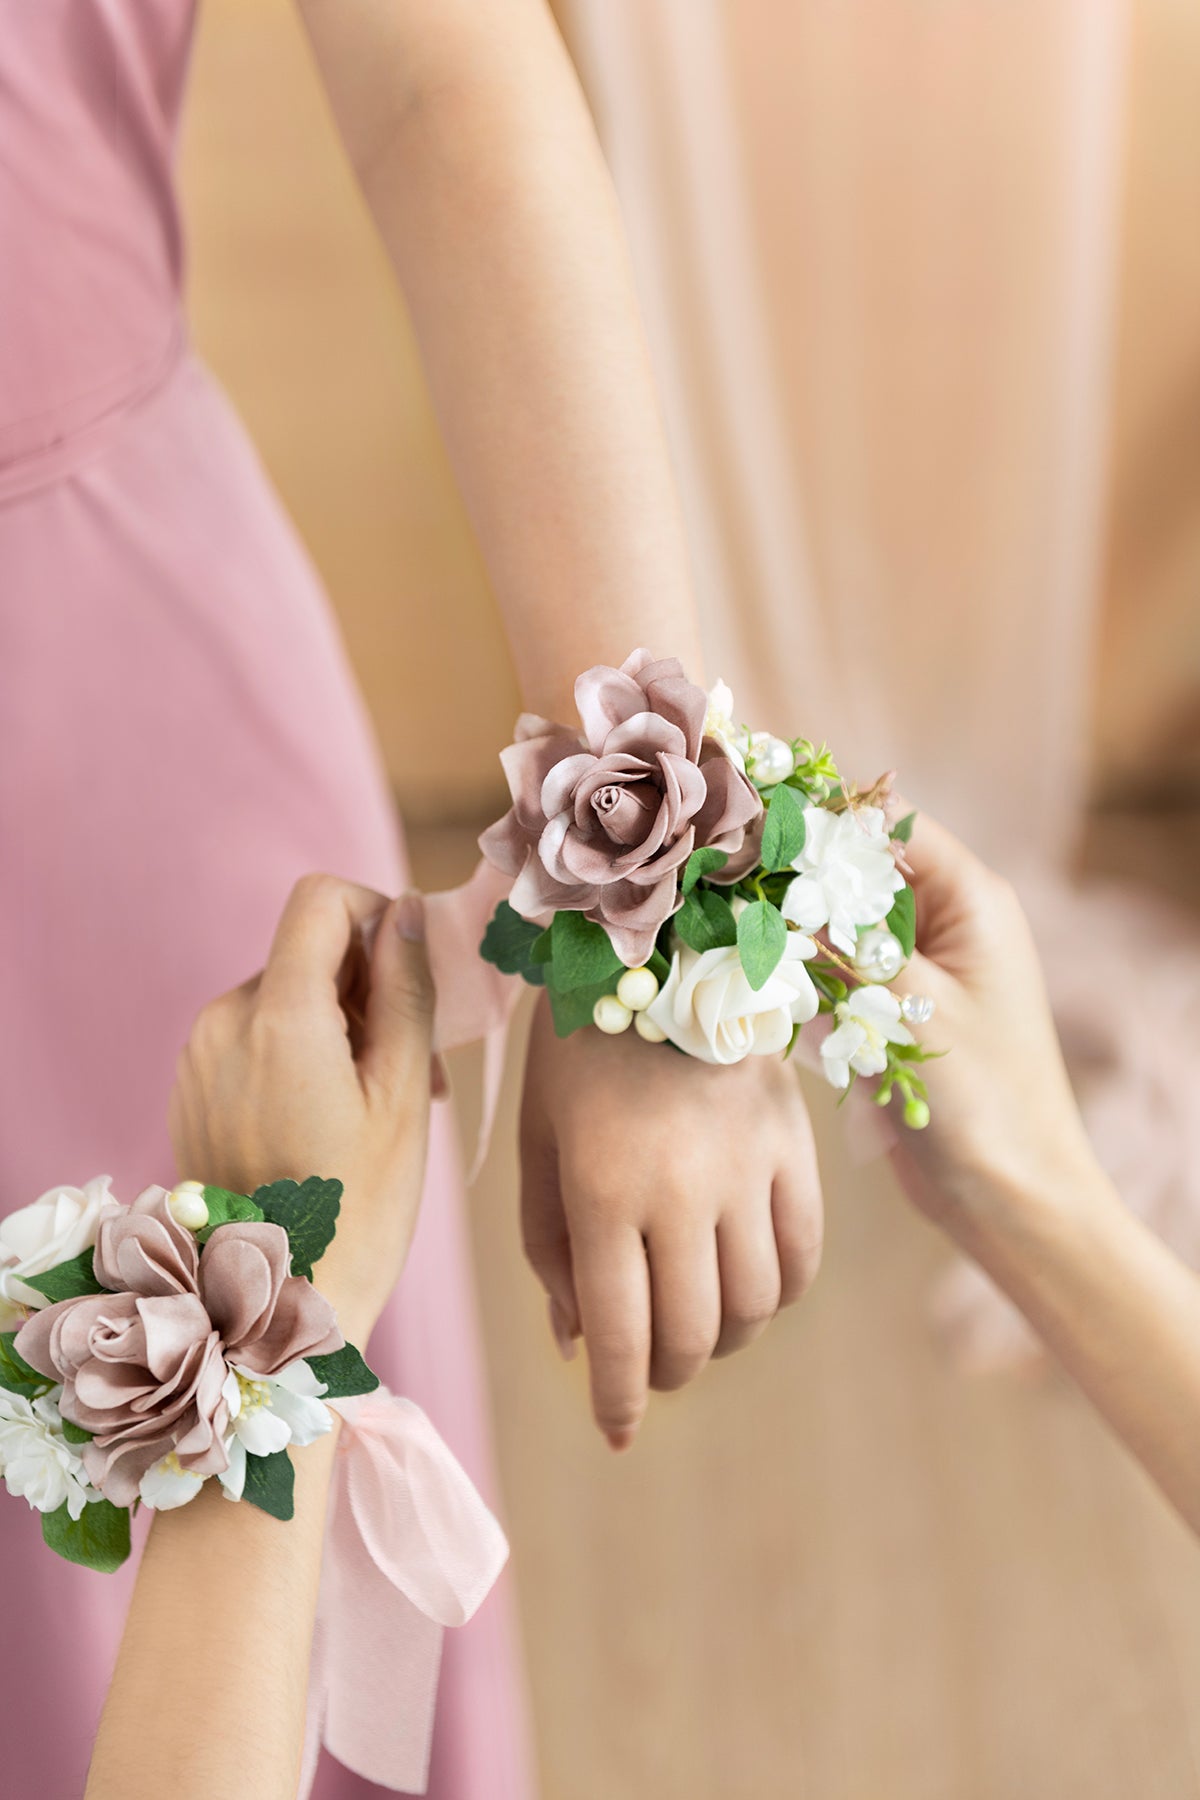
point(478, 159)
point(208, 1696)
point(1115, 1306)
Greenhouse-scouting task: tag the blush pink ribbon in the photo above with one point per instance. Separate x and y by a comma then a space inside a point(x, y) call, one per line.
point(474, 1000)
point(410, 1549)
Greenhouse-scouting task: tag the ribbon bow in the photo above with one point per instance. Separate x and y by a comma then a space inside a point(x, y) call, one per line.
point(410, 1548)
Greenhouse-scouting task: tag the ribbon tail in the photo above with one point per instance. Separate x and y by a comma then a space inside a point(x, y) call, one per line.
point(410, 1548)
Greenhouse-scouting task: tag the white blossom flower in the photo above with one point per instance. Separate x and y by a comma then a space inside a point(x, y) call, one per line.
point(846, 874)
point(269, 1413)
point(60, 1224)
point(868, 1021)
point(719, 724)
point(36, 1461)
point(168, 1485)
point(708, 1008)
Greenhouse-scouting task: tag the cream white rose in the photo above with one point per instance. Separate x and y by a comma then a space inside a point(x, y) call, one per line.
point(61, 1224)
point(708, 1008)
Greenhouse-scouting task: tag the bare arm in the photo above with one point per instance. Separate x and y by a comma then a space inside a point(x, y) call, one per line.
point(208, 1696)
point(474, 148)
point(1006, 1170)
point(1117, 1308)
point(476, 153)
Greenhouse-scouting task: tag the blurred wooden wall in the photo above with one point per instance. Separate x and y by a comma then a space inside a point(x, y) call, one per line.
point(294, 305)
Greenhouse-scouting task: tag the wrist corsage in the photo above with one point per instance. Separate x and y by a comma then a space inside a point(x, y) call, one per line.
point(714, 887)
point(159, 1345)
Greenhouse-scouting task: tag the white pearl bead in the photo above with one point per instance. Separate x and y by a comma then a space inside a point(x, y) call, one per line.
point(646, 1028)
point(637, 989)
point(188, 1206)
point(917, 1009)
point(611, 1015)
point(773, 759)
point(879, 955)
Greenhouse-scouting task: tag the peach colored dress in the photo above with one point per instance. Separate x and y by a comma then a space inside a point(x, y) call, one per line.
point(180, 738)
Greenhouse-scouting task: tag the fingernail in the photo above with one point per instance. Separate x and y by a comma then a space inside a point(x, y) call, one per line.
point(562, 1332)
point(410, 917)
point(620, 1441)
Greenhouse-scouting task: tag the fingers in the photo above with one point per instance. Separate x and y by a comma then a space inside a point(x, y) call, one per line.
point(398, 1022)
point(798, 1218)
point(314, 933)
point(613, 1285)
point(798, 1210)
point(544, 1232)
point(750, 1278)
point(943, 869)
point(686, 1292)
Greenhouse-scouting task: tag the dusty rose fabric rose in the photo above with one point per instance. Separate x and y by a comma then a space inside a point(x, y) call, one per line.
point(603, 826)
point(144, 1369)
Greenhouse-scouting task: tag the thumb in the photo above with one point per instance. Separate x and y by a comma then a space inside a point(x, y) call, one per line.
point(398, 1030)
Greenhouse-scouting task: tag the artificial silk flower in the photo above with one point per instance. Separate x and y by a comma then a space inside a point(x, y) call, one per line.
point(36, 1461)
point(60, 1224)
point(868, 1021)
point(707, 1007)
point(168, 1484)
point(268, 1413)
point(846, 874)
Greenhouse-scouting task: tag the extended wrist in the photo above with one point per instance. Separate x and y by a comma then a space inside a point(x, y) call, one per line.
point(1016, 1209)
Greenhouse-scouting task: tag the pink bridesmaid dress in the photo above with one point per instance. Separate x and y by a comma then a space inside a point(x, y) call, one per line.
point(180, 738)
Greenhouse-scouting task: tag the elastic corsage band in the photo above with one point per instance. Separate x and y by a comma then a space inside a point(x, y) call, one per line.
point(712, 886)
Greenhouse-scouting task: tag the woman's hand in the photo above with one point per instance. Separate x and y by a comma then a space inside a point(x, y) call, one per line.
point(669, 1208)
point(321, 1066)
point(1003, 1117)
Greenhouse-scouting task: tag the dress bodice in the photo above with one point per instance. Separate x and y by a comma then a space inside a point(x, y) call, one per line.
point(90, 242)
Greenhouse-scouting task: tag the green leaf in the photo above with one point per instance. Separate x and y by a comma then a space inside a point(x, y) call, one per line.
point(308, 1212)
point(902, 920)
point(761, 939)
point(270, 1481)
point(16, 1374)
point(903, 830)
point(75, 1434)
point(702, 862)
point(705, 921)
point(572, 1010)
point(543, 947)
point(783, 829)
point(225, 1208)
point(582, 952)
point(98, 1539)
point(343, 1373)
point(509, 940)
point(67, 1280)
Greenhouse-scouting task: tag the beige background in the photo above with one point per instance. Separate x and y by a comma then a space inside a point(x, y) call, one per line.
point(835, 1569)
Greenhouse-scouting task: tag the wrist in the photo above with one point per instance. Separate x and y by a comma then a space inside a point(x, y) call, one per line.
point(1014, 1211)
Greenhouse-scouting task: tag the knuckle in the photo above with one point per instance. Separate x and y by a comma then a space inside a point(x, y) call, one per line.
point(750, 1312)
point(620, 1413)
point(803, 1266)
point(617, 1346)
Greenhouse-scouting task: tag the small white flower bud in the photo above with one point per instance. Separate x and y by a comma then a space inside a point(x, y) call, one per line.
point(646, 1028)
point(638, 989)
point(188, 1206)
point(611, 1015)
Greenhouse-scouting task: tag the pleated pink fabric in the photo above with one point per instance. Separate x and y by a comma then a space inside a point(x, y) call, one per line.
point(180, 739)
